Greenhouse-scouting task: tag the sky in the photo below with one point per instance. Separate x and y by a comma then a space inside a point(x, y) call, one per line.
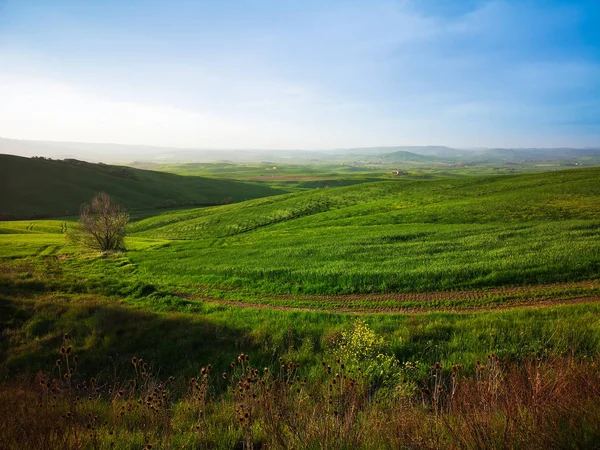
point(302, 74)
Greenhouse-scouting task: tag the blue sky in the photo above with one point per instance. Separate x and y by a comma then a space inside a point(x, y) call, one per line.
point(302, 74)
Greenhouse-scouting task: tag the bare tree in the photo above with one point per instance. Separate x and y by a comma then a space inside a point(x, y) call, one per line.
point(102, 224)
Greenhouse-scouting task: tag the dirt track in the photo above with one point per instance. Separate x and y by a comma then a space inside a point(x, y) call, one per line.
point(504, 298)
point(287, 178)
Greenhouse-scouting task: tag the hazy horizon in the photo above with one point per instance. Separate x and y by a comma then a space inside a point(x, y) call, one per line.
point(261, 75)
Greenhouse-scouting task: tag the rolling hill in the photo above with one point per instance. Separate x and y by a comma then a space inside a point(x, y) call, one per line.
point(38, 187)
point(407, 235)
point(410, 235)
point(566, 194)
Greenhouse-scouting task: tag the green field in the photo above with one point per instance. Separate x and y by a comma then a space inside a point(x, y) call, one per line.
point(441, 270)
point(408, 246)
point(354, 168)
point(399, 236)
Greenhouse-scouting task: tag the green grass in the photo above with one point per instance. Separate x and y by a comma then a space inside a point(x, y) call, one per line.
point(289, 177)
point(387, 236)
point(102, 328)
point(46, 188)
point(354, 169)
point(461, 255)
point(504, 199)
point(440, 269)
point(396, 236)
point(380, 237)
point(267, 170)
point(333, 260)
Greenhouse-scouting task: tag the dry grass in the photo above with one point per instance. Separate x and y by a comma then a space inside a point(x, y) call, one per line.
point(535, 404)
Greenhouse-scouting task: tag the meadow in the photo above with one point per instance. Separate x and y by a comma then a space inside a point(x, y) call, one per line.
point(400, 236)
point(418, 281)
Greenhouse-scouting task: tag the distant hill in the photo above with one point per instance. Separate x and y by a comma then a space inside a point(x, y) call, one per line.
point(539, 154)
point(403, 157)
point(123, 154)
point(427, 150)
point(38, 187)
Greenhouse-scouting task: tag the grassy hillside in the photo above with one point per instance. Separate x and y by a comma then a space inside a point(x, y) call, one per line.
point(560, 195)
point(399, 236)
point(390, 236)
point(42, 188)
point(251, 278)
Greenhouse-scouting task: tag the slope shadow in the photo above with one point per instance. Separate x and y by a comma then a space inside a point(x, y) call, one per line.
point(106, 337)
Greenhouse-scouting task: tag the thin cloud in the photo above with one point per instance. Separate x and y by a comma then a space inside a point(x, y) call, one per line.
point(326, 75)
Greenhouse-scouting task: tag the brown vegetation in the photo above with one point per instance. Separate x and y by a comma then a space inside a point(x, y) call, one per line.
point(536, 404)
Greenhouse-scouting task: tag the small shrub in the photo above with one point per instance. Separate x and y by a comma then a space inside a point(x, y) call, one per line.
point(360, 347)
